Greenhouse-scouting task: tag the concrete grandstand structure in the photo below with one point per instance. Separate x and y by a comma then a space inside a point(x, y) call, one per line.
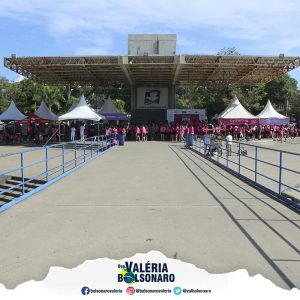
point(152, 69)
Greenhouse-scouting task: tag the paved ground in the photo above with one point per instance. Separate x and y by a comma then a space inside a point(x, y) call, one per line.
point(151, 196)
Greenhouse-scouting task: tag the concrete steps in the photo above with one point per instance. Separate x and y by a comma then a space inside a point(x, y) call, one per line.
point(10, 187)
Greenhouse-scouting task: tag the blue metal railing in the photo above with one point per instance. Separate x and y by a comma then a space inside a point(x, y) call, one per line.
point(44, 164)
point(271, 170)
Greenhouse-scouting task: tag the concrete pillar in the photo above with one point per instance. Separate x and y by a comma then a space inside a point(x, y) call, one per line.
point(133, 102)
point(171, 96)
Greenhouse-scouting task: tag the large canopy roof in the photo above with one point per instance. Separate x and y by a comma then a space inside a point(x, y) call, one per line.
point(154, 70)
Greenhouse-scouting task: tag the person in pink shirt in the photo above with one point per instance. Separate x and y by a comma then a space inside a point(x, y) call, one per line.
point(143, 133)
point(146, 132)
point(218, 130)
point(186, 131)
point(274, 132)
point(281, 133)
point(107, 131)
point(173, 133)
point(191, 129)
point(206, 130)
point(162, 130)
point(251, 133)
point(115, 130)
point(182, 131)
point(177, 133)
point(137, 134)
point(196, 132)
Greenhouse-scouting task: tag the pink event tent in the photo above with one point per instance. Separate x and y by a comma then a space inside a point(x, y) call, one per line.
point(236, 114)
point(269, 116)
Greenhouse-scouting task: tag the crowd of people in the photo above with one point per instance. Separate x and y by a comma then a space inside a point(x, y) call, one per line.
point(41, 133)
point(174, 132)
point(178, 132)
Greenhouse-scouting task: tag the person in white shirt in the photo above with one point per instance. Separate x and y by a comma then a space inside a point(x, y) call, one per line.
point(229, 143)
point(82, 132)
point(73, 131)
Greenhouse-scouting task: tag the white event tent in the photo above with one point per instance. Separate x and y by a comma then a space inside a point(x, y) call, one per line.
point(12, 113)
point(236, 114)
point(269, 116)
point(72, 106)
point(45, 113)
point(81, 112)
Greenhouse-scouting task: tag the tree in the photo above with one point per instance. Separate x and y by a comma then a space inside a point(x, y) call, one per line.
point(4, 86)
point(250, 97)
point(189, 97)
point(281, 90)
point(53, 97)
point(120, 104)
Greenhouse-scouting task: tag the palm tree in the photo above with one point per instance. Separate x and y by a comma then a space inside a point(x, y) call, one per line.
point(53, 97)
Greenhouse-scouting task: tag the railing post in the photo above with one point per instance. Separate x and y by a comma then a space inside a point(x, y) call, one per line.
point(239, 151)
point(227, 153)
point(256, 154)
point(75, 154)
point(84, 150)
point(280, 172)
point(218, 152)
point(63, 158)
point(46, 149)
point(92, 148)
point(22, 173)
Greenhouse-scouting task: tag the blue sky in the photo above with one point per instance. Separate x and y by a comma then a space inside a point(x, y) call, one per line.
point(98, 27)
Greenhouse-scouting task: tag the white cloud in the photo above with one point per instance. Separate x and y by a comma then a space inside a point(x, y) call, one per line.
point(19, 78)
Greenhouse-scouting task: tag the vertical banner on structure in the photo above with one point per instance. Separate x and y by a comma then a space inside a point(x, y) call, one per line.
point(152, 98)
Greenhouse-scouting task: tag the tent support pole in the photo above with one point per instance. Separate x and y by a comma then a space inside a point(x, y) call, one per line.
point(59, 131)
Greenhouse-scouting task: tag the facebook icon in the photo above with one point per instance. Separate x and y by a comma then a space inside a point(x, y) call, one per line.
point(85, 290)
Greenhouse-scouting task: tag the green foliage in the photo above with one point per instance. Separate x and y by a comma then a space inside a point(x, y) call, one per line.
point(189, 97)
point(120, 104)
point(251, 98)
point(281, 90)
